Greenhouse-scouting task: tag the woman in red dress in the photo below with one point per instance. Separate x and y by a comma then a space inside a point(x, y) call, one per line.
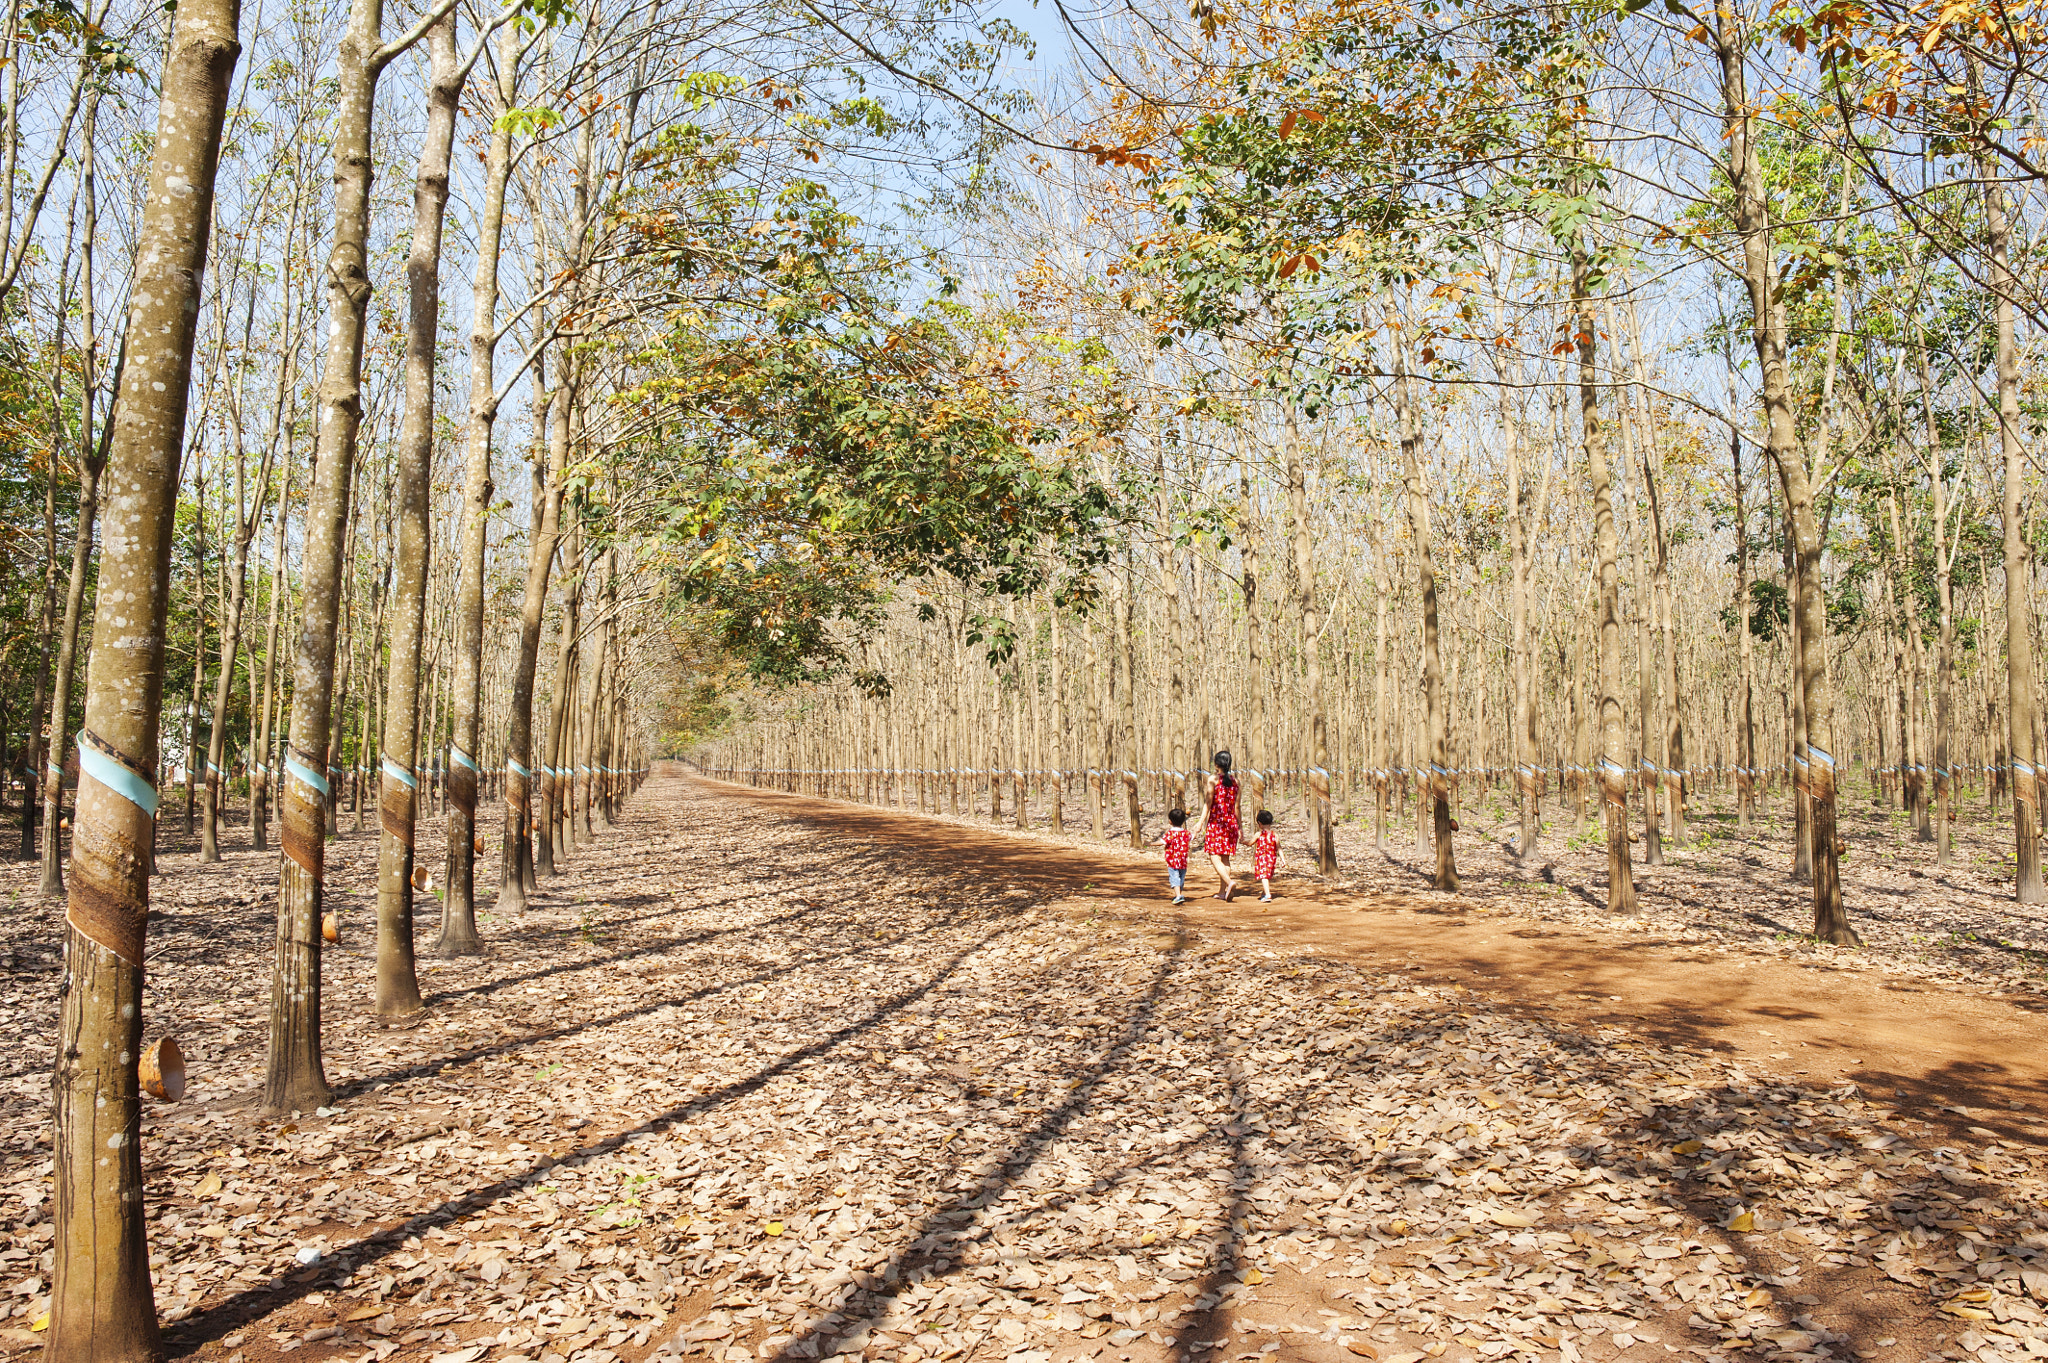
point(1219, 825)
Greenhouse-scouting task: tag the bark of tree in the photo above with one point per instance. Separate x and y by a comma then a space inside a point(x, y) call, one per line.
point(398, 990)
point(1745, 702)
point(192, 755)
point(1253, 759)
point(2019, 640)
point(1382, 748)
point(1436, 786)
point(262, 777)
point(517, 857)
point(248, 519)
point(1128, 776)
point(516, 864)
point(1795, 624)
point(92, 460)
point(562, 713)
point(1944, 663)
point(1323, 828)
point(1610, 782)
point(1752, 221)
point(1672, 778)
point(294, 1076)
point(101, 1304)
point(458, 906)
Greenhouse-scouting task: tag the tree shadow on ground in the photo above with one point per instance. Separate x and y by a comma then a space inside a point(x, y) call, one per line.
point(213, 1322)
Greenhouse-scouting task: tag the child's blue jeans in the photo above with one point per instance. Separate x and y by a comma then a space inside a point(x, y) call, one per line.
point(1177, 876)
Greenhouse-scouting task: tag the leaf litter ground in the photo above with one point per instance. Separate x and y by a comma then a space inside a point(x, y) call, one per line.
point(743, 1087)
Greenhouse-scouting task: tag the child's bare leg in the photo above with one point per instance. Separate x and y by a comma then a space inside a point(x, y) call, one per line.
point(1265, 888)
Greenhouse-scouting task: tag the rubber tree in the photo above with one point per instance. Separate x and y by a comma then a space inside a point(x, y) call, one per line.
point(248, 519)
point(398, 989)
point(101, 1305)
point(2019, 559)
point(555, 790)
point(516, 864)
point(92, 460)
point(1436, 786)
point(1729, 33)
point(458, 906)
point(1304, 585)
point(512, 887)
point(1524, 517)
point(1621, 885)
point(294, 1078)
point(262, 772)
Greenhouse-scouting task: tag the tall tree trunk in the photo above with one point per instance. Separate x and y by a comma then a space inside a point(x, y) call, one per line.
point(1128, 648)
point(1673, 776)
point(295, 1078)
point(1944, 664)
point(1251, 761)
point(247, 520)
point(1643, 600)
point(101, 1305)
point(1746, 774)
point(262, 780)
point(92, 460)
point(398, 989)
point(1322, 828)
point(562, 713)
point(516, 865)
point(1795, 624)
point(513, 866)
point(458, 906)
point(2019, 565)
point(1058, 754)
point(1621, 886)
point(1382, 748)
point(1752, 220)
point(1528, 781)
point(192, 753)
point(1437, 784)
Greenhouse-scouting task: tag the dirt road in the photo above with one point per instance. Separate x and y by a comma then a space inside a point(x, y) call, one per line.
point(1953, 1056)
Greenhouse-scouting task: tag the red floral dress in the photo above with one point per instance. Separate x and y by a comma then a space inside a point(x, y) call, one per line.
point(1221, 838)
point(1265, 854)
point(1176, 843)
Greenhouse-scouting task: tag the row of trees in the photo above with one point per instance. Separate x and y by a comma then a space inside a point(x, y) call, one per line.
point(692, 313)
point(263, 440)
point(1600, 387)
point(1630, 398)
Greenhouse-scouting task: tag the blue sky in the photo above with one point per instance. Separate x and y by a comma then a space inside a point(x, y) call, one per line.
point(1042, 22)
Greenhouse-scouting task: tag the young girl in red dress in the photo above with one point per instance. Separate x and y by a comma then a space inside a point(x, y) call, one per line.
point(1175, 841)
point(1219, 825)
point(1266, 855)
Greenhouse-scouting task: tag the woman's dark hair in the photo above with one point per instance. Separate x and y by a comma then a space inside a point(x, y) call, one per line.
point(1223, 766)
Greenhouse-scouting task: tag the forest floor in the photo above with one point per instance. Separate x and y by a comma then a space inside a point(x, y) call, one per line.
point(1722, 885)
point(763, 1077)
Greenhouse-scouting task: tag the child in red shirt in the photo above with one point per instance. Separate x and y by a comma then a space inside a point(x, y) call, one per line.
point(1266, 855)
point(1175, 840)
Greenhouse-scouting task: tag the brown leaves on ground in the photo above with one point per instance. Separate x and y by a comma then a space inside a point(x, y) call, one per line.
point(1955, 924)
point(742, 1087)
